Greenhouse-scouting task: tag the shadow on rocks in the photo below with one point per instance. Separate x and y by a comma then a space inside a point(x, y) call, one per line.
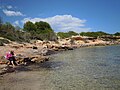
point(22, 68)
point(50, 65)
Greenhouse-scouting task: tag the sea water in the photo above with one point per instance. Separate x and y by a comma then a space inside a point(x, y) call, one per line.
point(90, 68)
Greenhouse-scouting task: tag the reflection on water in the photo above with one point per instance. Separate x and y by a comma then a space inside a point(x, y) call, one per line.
point(96, 68)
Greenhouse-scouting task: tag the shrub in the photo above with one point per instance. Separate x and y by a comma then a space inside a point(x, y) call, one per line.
point(2, 41)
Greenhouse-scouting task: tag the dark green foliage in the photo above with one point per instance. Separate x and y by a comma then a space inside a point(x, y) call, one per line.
point(40, 30)
point(63, 35)
point(2, 41)
point(42, 25)
point(9, 31)
point(29, 27)
point(67, 34)
point(7, 27)
point(72, 33)
point(93, 34)
point(117, 34)
point(1, 22)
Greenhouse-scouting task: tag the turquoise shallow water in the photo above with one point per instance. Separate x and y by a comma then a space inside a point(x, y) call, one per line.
point(92, 68)
point(96, 68)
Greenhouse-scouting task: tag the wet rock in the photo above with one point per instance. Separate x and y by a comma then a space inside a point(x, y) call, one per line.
point(70, 48)
point(40, 59)
point(34, 47)
point(6, 69)
point(50, 51)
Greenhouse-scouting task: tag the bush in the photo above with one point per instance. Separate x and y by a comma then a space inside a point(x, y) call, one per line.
point(2, 41)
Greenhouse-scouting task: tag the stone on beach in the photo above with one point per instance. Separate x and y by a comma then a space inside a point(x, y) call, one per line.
point(37, 51)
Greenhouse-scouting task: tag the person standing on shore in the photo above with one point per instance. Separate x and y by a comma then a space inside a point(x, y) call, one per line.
point(10, 56)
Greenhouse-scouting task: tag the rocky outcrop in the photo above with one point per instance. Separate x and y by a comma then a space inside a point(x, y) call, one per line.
point(6, 69)
point(21, 60)
point(37, 52)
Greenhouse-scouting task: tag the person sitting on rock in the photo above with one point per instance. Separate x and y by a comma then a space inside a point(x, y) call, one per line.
point(10, 56)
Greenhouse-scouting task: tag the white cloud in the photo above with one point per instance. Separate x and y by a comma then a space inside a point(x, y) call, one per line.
point(62, 23)
point(6, 7)
point(16, 23)
point(12, 13)
point(9, 7)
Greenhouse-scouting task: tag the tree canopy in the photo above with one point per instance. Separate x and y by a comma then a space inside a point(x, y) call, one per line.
point(40, 30)
point(66, 34)
point(117, 34)
point(93, 34)
point(29, 27)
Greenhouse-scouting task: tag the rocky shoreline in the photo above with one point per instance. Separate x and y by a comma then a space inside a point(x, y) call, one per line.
point(38, 51)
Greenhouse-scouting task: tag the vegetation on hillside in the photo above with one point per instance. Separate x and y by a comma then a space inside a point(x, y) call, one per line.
point(8, 31)
point(94, 34)
point(117, 34)
point(40, 30)
point(66, 34)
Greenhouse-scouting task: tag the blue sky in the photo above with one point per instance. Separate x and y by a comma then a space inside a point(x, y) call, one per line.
point(65, 15)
